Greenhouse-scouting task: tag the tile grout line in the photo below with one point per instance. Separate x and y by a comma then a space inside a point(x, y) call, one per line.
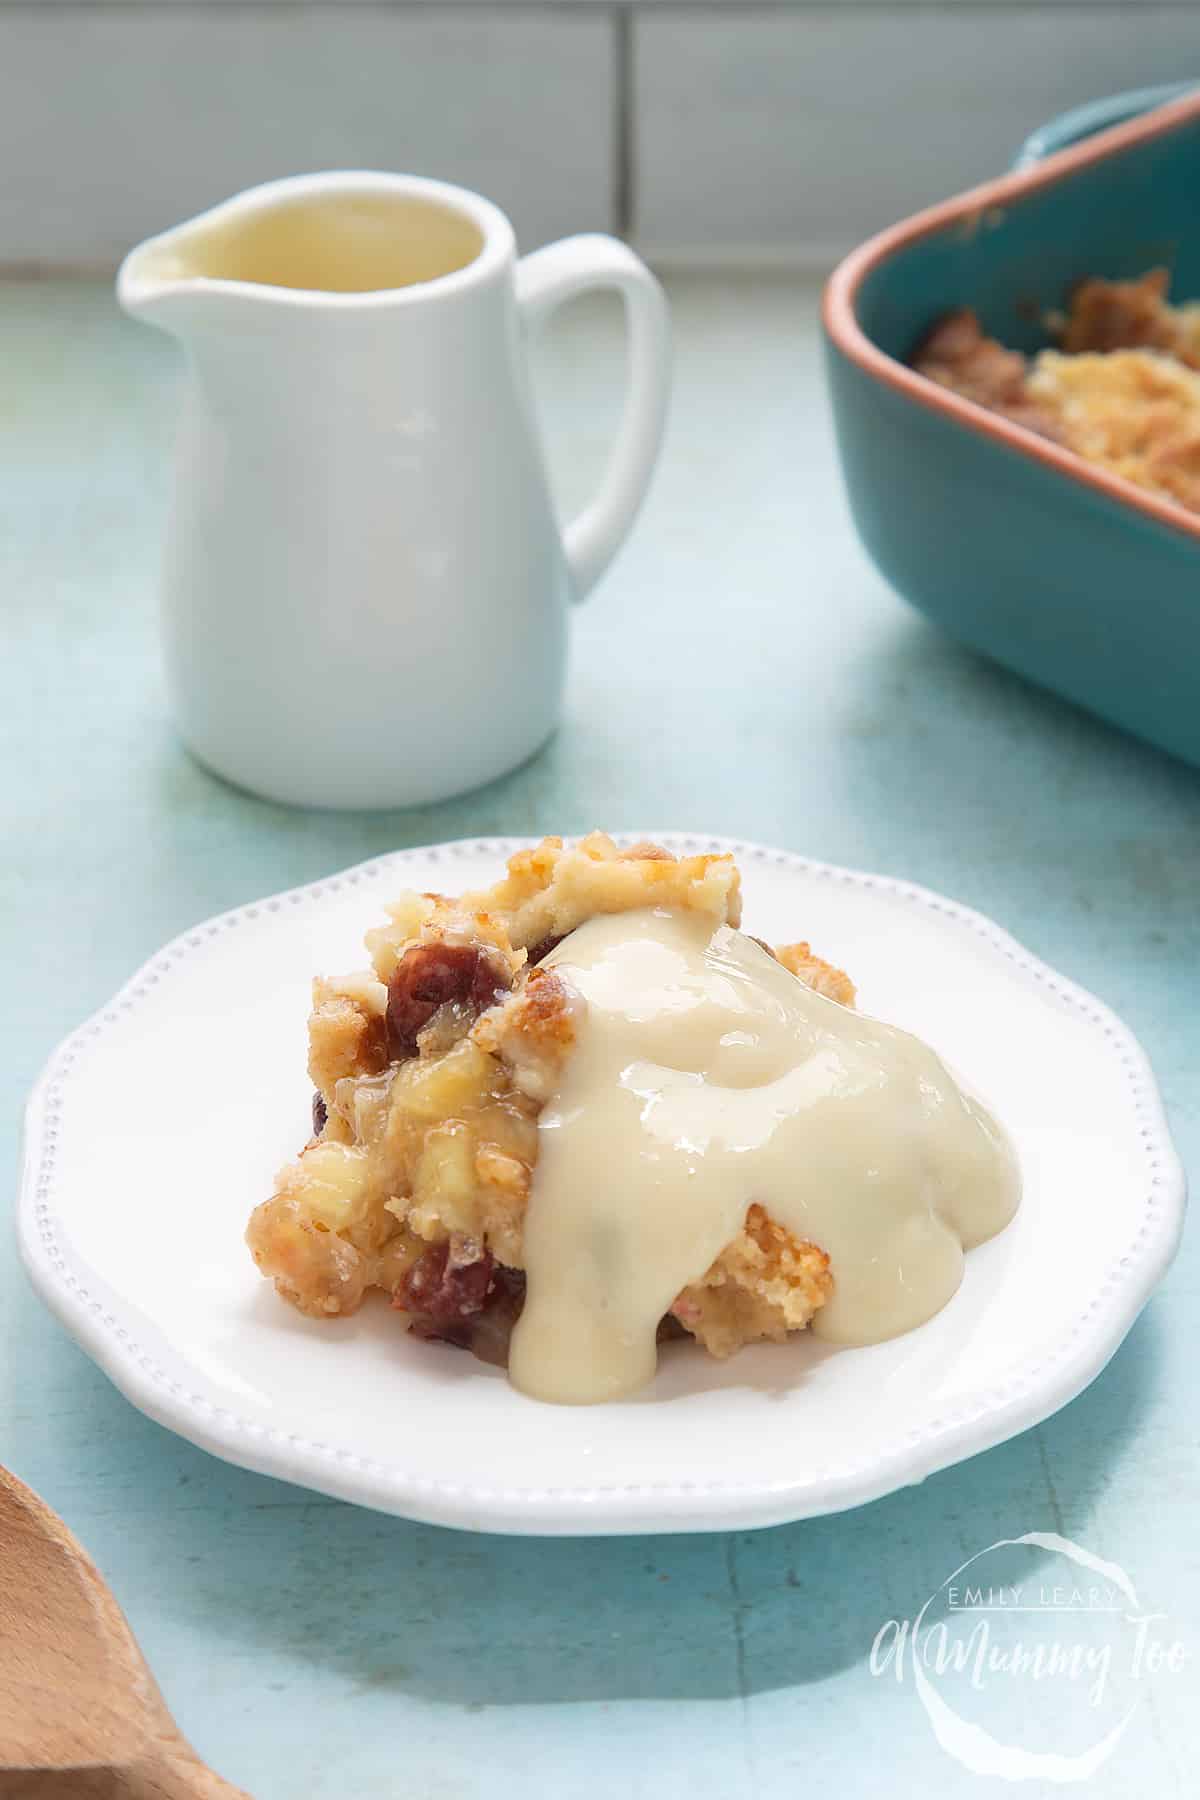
point(731, 9)
point(624, 170)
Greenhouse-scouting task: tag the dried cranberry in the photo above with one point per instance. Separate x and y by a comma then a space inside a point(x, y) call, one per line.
point(486, 1332)
point(542, 949)
point(430, 1332)
point(491, 1331)
point(429, 975)
point(319, 1113)
point(444, 1286)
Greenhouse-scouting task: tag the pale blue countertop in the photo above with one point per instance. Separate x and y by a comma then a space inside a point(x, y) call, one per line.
point(743, 671)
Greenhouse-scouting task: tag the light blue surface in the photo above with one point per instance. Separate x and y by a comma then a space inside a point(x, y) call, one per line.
point(742, 670)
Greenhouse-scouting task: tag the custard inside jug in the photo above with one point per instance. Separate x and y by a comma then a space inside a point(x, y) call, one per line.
point(331, 243)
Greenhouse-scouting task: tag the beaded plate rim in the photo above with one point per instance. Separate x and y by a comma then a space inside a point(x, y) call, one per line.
point(1026, 1397)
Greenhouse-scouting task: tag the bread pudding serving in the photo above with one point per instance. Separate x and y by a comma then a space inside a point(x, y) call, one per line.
point(563, 1118)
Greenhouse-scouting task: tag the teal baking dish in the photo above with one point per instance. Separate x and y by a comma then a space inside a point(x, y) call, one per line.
point(1053, 566)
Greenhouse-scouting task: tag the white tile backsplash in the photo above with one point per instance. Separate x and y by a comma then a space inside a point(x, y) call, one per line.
point(793, 133)
point(118, 120)
point(728, 130)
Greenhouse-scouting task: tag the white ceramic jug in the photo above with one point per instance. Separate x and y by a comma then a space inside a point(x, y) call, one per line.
point(366, 589)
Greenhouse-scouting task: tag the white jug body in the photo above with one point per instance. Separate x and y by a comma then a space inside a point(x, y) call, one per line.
point(366, 588)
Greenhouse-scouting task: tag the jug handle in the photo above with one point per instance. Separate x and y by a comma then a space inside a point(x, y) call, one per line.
point(546, 278)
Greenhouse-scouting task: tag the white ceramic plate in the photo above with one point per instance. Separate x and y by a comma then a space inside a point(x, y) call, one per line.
point(160, 1123)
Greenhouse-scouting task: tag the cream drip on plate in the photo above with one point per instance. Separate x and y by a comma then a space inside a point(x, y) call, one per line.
point(706, 1077)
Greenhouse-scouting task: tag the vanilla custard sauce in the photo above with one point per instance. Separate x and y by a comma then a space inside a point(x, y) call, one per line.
point(706, 1077)
point(333, 243)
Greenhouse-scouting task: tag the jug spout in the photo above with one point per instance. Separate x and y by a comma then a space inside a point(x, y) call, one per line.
point(154, 283)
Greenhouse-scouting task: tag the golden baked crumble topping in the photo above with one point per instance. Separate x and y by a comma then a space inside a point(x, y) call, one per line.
point(1123, 389)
